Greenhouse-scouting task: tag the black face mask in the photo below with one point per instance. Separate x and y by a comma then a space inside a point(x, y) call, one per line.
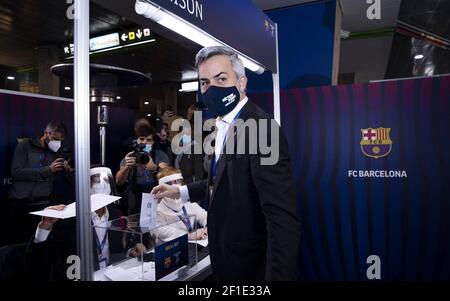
point(220, 100)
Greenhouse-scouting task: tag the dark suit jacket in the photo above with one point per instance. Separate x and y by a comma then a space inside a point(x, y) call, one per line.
point(47, 260)
point(253, 227)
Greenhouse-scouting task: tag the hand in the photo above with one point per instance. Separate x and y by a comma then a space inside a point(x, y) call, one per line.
point(47, 222)
point(200, 234)
point(130, 160)
point(151, 165)
point(57, 165)
point(138, 250)
point(67, 168)
point(166, 191)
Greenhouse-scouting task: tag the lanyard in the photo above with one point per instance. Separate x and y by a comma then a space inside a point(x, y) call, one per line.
point(146, 174)
point(101, 246)
point(184, 218)
point(214, 162)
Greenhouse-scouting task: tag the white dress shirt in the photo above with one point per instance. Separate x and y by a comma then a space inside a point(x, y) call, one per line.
point(222, 125)
point(101, 232)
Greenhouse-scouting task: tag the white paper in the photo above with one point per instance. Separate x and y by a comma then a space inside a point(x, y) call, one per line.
point(149, 207)
point(120, 274)
point(202, 242)
point(101, 200)
point(67, 212)
point(97, 201)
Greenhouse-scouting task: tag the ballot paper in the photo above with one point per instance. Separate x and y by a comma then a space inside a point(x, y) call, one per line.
point(149, 207)
point(68, 212)
point(117, 273)
point(201, 242)
point(97, 201)
point(101, 200)
point(120, 274)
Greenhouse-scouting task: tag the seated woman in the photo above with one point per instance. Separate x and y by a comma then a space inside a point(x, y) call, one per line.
point(170, 210)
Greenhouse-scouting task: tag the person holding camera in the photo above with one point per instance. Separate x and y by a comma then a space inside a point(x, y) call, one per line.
point(34, 168)
point(139, 168)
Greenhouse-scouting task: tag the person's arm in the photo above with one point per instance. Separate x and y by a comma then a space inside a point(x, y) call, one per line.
point(194, 192)
point(42, 233)
point(125, 166)
point(201, 216)
point(197, 190)
point(276, 192)
point(45, 226)
point(19, 169)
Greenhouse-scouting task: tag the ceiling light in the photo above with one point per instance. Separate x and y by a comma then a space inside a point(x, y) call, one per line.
point(10, 78)
point(118, 97)
point(189, 75)
point(187, 30)
point(67, 88)
point(189, 87)
point(418, 57)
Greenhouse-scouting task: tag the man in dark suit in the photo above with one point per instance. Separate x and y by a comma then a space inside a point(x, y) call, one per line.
point(253, 226)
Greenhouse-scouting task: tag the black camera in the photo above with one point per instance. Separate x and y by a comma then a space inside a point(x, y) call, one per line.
point(142, 157)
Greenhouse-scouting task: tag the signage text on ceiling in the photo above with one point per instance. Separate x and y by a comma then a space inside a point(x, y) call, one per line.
point(193, 7)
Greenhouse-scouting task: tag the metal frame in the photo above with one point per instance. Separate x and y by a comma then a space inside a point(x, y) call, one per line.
point(276, 84)
point(82, 138)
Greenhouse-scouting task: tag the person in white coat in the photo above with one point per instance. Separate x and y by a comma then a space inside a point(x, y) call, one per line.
point(171, 210)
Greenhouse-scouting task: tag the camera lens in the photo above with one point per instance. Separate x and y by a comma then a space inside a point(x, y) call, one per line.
point(143, 158)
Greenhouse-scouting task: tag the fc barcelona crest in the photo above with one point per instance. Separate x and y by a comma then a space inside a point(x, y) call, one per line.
point(376, 143)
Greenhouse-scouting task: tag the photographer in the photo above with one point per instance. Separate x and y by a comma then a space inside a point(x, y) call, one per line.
point(34, 167)
point(139, 168)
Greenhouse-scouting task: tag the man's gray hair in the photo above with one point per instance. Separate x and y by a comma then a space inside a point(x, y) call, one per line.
point(208, 52)
point(56, 126)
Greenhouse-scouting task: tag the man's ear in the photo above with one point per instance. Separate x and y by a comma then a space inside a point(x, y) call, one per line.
point(242, 84)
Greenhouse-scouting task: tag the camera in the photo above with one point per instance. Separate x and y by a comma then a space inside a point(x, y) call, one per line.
point(142, 157)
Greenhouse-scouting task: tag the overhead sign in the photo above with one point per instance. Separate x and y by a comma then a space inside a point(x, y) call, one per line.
point(114, 40)
point(239, 24)
point(136, 35)
point(103, 42)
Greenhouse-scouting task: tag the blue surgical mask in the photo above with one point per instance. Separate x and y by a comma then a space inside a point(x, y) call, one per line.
point(220, 100)
point(148, 148)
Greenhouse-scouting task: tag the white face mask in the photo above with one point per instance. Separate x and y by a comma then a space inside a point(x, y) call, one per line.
point(54, 145)
point(173, 204)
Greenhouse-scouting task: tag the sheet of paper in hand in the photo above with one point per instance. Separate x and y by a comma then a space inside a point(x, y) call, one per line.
point(148, 211)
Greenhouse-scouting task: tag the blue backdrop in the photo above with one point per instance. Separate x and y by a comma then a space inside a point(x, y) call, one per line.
point(405, 221)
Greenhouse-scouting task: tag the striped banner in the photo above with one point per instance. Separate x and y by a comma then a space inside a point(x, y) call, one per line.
point(353, 206)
